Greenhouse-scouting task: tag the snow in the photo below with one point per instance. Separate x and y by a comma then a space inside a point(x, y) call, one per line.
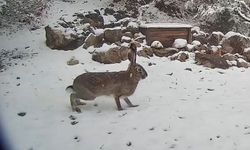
point(241, 60)
point(2, 2)
point(115, 28)
point(214, 48)
point(104, 48)
point(190, 47)
point(247, 50)
point(196, 43)
point(231, 33)
point(108, 19)
point(218, 33)
point(156, 44)
point(202, 109)
point(126, 38)
point(180, 43)
point(132, 25)
point(165, 25)
point(98, 31)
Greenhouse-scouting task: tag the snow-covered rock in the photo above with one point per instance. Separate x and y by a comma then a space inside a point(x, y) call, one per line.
point(113, 35)
point(156, 44)
point(112, 55)
point(165, 52)
point(246, 53)
point(181, 56)
point(196, 43)
point(125, 39)
point(60, 38)
point(72, 61)
point(211, 61)
point(132, 27)
point(146, 52)
point(93, 40)
point(180, 43)
point(235, 43)
point(242, 63)
point(215, 38)
point(190, 47)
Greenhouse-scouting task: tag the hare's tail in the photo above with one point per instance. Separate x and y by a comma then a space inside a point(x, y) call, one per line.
point(70, 89)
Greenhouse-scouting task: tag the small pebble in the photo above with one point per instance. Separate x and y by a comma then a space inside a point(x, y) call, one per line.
point(151, 129)
point(129, 143)
point(21, 114)
point(188, 69)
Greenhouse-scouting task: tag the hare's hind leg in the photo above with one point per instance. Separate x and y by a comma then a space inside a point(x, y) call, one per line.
point(74, 101)
point(129, 102)
point(118, 103)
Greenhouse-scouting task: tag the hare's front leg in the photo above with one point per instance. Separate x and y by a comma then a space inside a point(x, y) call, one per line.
point(118, 103)
point(129, 102)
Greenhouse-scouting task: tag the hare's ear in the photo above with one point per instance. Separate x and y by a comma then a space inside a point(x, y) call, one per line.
point(132, 53)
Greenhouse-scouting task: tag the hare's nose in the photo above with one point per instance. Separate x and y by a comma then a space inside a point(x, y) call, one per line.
point(144, 75)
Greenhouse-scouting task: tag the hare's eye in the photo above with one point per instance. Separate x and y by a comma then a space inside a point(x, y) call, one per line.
point(138, 69)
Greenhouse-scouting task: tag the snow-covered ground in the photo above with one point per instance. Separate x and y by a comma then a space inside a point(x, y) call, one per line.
point(179, 109)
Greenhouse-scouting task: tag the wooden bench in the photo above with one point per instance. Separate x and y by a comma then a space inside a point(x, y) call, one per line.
point(166, 33)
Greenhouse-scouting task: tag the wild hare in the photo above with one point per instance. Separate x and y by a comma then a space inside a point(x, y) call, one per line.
point(90, 85)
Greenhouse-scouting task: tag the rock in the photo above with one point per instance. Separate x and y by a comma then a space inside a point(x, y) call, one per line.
point(188, 69)
point(120, 14)
point(195, 30)
point(156, 45)
point(201, 37)
point(202, 47)
point(165, 52)
point(180, 43)
point(126, 39)
point(93, 40)
point(146, 52)
point(113, 35)
point(129, 143)
point(190, 47)
point(196, 43)
point(230, 57)
point(128, 34)
point(182, 57)
point(72, 61)
point(211, 61)
point(215, 38)
point(235, 43)
point(246, 53)
point(113, 55)
point(137, 44)
point(90, 41)
point(133, 27)
point(242, 63)
point(216, 50)
point(21, 114)
point(109, 11)
point(139, 35)
point(94, 18)
point(58, 39)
